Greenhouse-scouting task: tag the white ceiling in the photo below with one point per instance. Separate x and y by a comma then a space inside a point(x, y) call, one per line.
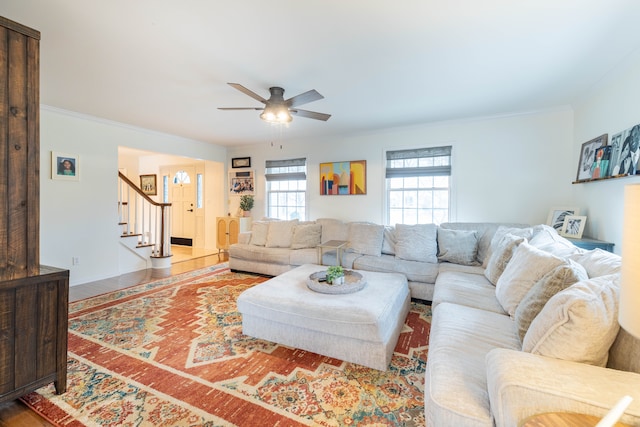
point(164, 64)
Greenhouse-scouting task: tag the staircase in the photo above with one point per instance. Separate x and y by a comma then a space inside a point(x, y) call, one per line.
point(146, 224)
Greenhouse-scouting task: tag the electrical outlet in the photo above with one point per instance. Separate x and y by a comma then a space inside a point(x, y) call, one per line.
point(75, 260)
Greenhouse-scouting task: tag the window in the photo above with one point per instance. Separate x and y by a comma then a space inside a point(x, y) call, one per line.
point(418, 184)
point(199, 202)
point(286, 188)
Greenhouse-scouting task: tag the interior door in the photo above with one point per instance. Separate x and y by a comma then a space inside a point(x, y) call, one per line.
point(183, 201)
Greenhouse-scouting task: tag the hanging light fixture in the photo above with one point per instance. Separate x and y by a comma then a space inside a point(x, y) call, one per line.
point(276, 113)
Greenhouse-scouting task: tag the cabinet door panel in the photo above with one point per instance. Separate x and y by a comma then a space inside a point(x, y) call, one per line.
point(7, 332)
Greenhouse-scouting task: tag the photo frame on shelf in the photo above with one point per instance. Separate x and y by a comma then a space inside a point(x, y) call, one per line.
point(241, 162)
point(148, 185)
point(343, 178)
point(241, 183)
point(573, 226)
point(627, 154)
point(65, 167)
point(587, 157)
point(558, 214)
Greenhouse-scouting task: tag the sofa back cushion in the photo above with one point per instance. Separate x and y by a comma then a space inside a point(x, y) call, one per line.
point(458, 246)
point(306, 236)
point(333, 229)
point(280, 234)
point(389, 240)
point(548, 239)
point(417, 242)
point(598, 262)
point(365, 238)
point(500, 256)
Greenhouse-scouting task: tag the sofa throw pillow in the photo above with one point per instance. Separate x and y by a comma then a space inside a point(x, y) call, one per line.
point(458, 246)
point(501, 256)
point(306, 236)
point(527, 266)
point(259, 230)
point(417, 242)
point(389, 240)
point(558, 279)
point(598, 262)
point(502, 230)
point(579, 323)
point(365, 238)
point(280, 234)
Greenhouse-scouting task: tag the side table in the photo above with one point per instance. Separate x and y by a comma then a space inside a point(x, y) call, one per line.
point(563, 419)
point(338, 245)
point(589, 243)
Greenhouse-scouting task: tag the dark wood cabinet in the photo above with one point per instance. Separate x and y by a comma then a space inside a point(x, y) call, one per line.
point(34, 299)
point(33, 332)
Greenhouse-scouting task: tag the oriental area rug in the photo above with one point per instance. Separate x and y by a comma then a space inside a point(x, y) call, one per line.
point(172, 353)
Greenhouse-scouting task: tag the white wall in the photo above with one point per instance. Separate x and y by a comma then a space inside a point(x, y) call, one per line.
point(511, 168)
point(610, 108)
point(80, 219)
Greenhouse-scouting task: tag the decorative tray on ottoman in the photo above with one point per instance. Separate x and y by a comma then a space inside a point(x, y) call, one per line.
point(353, 282)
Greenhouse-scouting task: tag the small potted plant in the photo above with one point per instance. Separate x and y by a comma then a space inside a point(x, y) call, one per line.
point(335, 275)
point(246, 204)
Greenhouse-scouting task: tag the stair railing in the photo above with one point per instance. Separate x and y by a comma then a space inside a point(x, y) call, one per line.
point(141, 216)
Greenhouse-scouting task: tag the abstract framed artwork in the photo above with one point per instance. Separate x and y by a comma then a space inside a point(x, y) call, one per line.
point(343, 178)
point(573, 226)
point(587, 157)
point(65, 167)
point(557, 215)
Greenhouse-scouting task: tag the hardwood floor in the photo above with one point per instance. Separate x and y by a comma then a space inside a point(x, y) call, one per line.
point(17, 414)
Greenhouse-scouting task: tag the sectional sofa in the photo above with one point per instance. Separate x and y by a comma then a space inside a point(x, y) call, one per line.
point(523, 321)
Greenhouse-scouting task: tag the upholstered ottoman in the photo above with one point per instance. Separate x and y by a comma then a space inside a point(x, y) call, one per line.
point(360, 327)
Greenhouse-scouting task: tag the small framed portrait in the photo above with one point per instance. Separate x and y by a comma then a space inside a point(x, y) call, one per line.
point(557, 215)
point(65, 167)
point(241, 183)
point(148, 185)
point(587, 157)
point(241, 162)
point(573, 226)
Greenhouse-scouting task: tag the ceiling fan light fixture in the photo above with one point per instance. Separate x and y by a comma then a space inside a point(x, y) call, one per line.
point(276, 114)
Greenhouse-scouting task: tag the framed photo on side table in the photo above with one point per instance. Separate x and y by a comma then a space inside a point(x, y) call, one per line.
point(557, 215)
point(573, 226)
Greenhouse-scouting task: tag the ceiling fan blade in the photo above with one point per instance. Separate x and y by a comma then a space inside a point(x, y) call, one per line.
point(310, 114)
point(248, 92)
point(303, 98)
point(241, 108)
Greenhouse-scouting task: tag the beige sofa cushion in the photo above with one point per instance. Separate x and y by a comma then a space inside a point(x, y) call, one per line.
point(501, 255)
point(280, 234)
point(458, 246)
point(551, 283)
point(527, 266)
point(598, 262)
point(389, 240)
point(259, 230)
point(333, 229)
point(526, 232)
point(365, 238)
point(306, 236)
point(417, 242)
point(548, 239)
point(579, 323)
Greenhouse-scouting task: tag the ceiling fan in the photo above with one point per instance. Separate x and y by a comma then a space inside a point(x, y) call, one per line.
point(279, 110)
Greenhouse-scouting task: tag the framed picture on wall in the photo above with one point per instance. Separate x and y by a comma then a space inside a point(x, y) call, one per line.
point(65, 167)
point(241, 183)
point(573, 226)
point(587, 157)
point(241, 162)
point(343, 178)
point(148, 185)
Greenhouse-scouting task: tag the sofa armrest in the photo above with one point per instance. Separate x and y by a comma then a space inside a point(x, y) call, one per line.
point(244, 237)
point(521, 384)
